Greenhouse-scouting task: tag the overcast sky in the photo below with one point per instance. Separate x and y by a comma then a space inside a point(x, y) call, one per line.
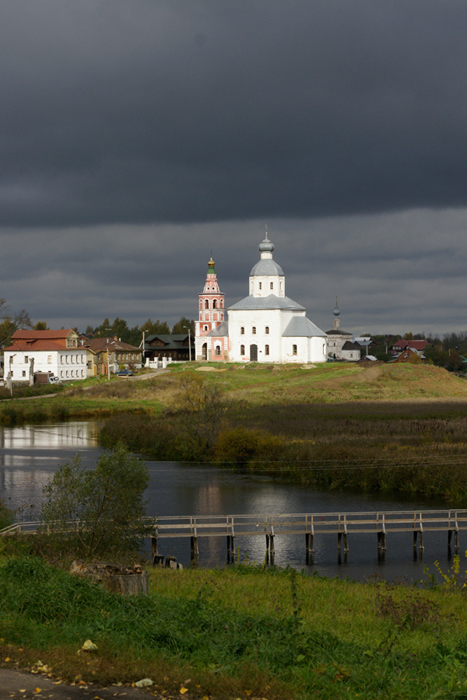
point(136, 136)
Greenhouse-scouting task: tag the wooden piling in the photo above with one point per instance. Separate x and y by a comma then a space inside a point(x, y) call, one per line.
point(194, 548)
point(230, 549)
point(154, 549)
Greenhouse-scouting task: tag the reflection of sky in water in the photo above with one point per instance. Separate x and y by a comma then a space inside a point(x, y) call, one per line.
point(29, 455)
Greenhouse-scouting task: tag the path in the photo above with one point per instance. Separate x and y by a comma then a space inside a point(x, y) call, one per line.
point(20, 684)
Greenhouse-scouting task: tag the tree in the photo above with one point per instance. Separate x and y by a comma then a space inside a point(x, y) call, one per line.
point(10, 323)
point(41, 326)
point(107, 501)
point(201, 408)
point(182, 325)
point(151, 327)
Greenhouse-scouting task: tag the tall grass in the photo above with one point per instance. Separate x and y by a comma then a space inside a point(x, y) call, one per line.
point(242, 632)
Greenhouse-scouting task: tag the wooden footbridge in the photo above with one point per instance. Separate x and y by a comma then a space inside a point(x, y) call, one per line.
point(308, 525)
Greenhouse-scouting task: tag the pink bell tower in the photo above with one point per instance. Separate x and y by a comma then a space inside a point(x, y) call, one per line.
point(211, 308)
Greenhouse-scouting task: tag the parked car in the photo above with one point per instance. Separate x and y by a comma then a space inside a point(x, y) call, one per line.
point(54, 380)
point(124, 373)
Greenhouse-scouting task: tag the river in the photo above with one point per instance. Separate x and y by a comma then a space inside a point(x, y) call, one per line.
point(29, 455)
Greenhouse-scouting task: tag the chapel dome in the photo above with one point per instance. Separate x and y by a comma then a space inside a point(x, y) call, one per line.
point(266, 245)
point(267, 268)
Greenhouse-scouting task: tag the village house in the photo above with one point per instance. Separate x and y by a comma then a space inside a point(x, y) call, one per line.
point(105, 352)
point(55, 353)
point(174, 346)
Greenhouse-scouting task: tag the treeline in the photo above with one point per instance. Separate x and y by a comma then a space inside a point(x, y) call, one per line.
point(134, 335)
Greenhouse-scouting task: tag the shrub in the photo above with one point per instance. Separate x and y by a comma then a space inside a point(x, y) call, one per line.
point(240, 446)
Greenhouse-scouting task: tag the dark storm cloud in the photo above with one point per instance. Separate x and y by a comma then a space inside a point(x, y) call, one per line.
point(391, 272)
point(170, 111)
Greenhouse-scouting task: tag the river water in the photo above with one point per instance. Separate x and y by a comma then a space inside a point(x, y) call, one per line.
point(29, 455)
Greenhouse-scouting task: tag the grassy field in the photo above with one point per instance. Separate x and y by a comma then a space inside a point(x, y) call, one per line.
point(243, 632)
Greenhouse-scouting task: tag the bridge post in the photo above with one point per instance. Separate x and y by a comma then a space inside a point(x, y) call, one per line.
point(230, 549)
point(194, 548)
point(270, 551)
point(154, 549)
point(339, 539)
point(346, 542)
point(309, 547)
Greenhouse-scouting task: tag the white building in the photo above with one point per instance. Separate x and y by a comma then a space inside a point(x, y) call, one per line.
point(265, 326)
point(54, 352)
point(341, 344)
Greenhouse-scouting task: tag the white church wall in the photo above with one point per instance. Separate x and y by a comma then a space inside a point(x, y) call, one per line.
point(260, 320)
point(265, 285)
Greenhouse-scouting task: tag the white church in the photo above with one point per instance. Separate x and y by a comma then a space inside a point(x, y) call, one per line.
point(265, 326)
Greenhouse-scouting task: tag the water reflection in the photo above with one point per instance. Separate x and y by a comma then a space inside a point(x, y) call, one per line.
point(29, 455)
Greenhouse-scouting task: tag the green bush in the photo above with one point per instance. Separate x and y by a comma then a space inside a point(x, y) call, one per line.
point(241, 446)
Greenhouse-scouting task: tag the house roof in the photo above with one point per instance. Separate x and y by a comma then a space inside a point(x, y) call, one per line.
point(338, 332)
point(24, 340)
point(37, 345)
point(413, 344)
point(221, 331)
point(171, 341)
point(100, 344)
point(351, 346)
point(302, 327)
point(42, 335)
point(270, 302)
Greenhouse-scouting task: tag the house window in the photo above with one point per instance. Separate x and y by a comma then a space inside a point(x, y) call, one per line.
point(271, 285)
point(242, 349)
point(266, 350)
point(49, 359)
point(242, 331)
point(218, 350)
point(294, 349)
point(26, 359)
point(24, 372)
point(266, 330)
point(253, 330)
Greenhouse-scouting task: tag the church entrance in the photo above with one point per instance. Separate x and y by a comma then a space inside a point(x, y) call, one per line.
point(253, 353)
point(204, 351)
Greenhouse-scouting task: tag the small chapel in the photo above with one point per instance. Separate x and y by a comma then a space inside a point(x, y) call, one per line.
point(265, 326)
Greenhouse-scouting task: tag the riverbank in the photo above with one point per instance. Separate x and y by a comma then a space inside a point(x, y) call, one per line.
point(387, 428)
point(239, 632)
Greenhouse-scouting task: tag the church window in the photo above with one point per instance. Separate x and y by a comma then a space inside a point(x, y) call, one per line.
point(242, 330)
point(260, 285)
point(266, 330)
point(222, 303)
point(218, 350)
point(206, 304)
point(253, 330)
point(205, 328)
point(271, 285)
point(242, 349)
point(294, 349)
point(266, 350)
point(214, 304)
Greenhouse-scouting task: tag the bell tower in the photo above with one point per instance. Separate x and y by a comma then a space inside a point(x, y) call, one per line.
point(211, 304)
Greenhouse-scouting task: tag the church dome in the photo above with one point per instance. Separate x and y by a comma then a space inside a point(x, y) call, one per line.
point(266, 245)
point(266, 268)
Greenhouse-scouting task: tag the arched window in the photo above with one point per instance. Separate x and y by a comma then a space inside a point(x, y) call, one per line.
point(271, 285)
point(214, 304)
point(206, 304)
point(222, 303)
point(242, 349)
point(260, 285)
point(266, 350)
point(200, 304)
point(294, 349)
point(205, 328)
point(253, 330)
point(218, 350)
point(266, 330)
point(242, 331)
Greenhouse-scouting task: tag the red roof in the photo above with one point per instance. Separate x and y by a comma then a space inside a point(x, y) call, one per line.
point(33, 344)
point(42, 335)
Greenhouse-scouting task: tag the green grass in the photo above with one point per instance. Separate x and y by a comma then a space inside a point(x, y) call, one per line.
point(240, 632)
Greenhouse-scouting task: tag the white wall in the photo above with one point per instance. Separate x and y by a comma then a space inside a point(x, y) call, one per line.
point(67, 364)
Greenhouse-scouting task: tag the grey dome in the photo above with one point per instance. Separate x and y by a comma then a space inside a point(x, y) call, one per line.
point(266, 245)
point(266, 268)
